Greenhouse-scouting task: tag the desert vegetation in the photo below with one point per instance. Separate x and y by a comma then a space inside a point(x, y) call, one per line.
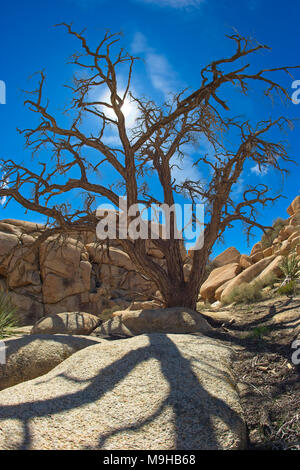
point(8, 318)
point(272, 233)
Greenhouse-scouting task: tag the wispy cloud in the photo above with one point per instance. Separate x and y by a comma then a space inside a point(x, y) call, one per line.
point(184, 169)
point(179, 4)
point(262, 171)
point(3, 184)
point(161, 73)
point(237, 189)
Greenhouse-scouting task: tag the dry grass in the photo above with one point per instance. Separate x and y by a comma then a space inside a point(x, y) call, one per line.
point(245, 293)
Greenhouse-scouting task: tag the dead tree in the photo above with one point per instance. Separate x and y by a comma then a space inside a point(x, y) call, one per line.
point(159, 137)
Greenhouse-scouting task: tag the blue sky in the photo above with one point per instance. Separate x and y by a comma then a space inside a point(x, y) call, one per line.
point(175, 38)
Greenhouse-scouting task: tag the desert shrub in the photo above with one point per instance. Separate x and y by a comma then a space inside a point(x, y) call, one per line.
point(290, 267)
point(106, 313)
point(287, 289)
point(7, 315)
point(270, 280)
point(245, 293)
point(259, 332)
point(272, 233)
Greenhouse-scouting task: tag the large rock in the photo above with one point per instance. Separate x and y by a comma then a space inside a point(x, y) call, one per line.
point(267, 252)
point(169, 320)
point(219, 291)
point(218, 277)
point(257, 256)
point(295, 219)
point(114, 256)
point(287, 231)
point(29, 307)
point(231, 255)
point(23, 267)
point(246, 276)
point(257, 247)
point(294, 206)
point(71, 323)
point(245, 261)
point(151, 392)
point(272, 270)
point(8, 243)
point(65, 270)
point(24, 226)
point(29, 357)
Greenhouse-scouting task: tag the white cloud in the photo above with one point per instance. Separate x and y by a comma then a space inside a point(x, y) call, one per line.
point(262, 171)
point(3, 184)
point(237, 189)
point(161, 73)
point(185, 170)
point(139, 44)
point(174, 3)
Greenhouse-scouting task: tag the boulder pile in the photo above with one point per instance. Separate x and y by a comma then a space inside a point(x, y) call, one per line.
point(74, 273)
point(68, 274)
point(233, 268)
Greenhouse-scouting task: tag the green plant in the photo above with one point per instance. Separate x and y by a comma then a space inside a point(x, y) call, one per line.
point(269, 280)
point(272, 233)
point(106, 313)
point(245, 293)
point(259, 332)
point(287, 289)
point(290, 267)
point(7, 315)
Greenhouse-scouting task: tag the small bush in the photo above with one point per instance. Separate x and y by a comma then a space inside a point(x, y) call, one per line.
point(290, 267)
point(272, 233)
point(245, 293)
point(259, 332)
point(106, 313)
point(7, 315)
point(270, 281)
point(287, 289)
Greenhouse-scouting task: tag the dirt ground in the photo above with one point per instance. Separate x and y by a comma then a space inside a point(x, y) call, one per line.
point(262, 335)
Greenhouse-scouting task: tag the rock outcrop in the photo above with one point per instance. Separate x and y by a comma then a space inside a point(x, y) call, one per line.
point(248, 275)
point(262, 263)
point(29, 357)
point(68, 273)
point(169, 320)
point(217, 278)
point(154, 392)
point(69, 323)
point(230, 255)
point(76, 273)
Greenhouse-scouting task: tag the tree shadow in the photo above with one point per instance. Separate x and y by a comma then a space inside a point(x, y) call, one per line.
point(195, 409)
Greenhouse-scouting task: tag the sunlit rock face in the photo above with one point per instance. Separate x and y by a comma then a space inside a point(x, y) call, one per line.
point(69, 273)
